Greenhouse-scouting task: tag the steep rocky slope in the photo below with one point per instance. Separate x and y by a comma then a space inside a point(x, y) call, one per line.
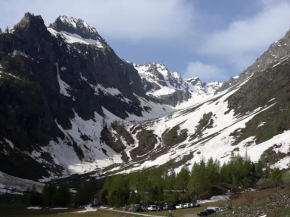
point(59, 87)
point(278, 50)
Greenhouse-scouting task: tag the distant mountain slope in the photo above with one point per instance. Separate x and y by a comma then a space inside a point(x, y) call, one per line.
point(251, 118)
point(171, 88)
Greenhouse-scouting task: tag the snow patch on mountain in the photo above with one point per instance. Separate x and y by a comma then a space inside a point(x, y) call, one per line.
point(63, 87)
point(9, 74)
point(151, 110)
point(75, 22)
point(96, 155)
point(16, 52)
point(71, 38)
point(13, 185)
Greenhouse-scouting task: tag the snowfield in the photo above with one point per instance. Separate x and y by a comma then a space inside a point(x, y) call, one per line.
point(13, 185)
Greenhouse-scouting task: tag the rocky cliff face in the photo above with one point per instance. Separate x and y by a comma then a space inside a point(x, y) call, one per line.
point(275, 53)
point(59, 86)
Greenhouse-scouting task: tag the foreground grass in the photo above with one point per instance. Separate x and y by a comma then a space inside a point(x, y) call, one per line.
point(15, 212)
point(258, 204)
point(59, 213)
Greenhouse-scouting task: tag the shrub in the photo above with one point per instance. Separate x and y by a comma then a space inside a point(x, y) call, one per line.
point(276, 175)
point(266, 183)
point(286, 178)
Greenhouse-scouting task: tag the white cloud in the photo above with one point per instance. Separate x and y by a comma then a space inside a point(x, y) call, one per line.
point(246, 39)
point(206, 72)
point(130, 20)
point(175, 21)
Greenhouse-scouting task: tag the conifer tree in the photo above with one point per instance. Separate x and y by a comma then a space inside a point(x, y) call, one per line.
point(182, 179)
point(49, 195)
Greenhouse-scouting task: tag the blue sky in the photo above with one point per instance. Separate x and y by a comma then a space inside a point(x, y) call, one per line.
point(210, 39)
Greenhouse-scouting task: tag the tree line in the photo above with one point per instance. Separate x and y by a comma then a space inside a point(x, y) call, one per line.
point(53, 195)
point(6, 30)
point(157, 185)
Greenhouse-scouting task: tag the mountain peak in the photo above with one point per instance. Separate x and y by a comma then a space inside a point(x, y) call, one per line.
point(75, 25)
point(30, 21)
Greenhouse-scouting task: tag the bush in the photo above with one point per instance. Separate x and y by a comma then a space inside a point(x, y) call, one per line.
point(276, 175)
point(286, 178)
point(266, 183)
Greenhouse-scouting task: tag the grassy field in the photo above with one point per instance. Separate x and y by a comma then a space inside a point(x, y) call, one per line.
point(22, 211)
point(56, 213)
point(99, 213)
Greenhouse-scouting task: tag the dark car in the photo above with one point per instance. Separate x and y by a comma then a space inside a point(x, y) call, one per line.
point(168, 207)
point(210, 211)
point(137, 208)
point(203, 213)
point(206, 212)
point(159, 208)
point(171, 207)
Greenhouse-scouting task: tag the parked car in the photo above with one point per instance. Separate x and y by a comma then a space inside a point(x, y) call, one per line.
point(144, 208)
point(206, 212)
point(179, 206)
point(165, 207)
point(168, 207)
point(151, 208)
point(159, 208)
point(203, 213)
point(194, 205)
point(171, 207)
point(215, 208)
point(186, 205)
point(137, 208)
point(210, 211)
point(218, 209)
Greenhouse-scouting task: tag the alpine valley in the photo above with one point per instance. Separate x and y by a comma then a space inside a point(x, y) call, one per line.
point(69, 106)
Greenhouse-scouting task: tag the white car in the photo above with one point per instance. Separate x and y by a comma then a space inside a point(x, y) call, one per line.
point(186, 205)
point(179, 206)
point(194, 205)
point(151, 208)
